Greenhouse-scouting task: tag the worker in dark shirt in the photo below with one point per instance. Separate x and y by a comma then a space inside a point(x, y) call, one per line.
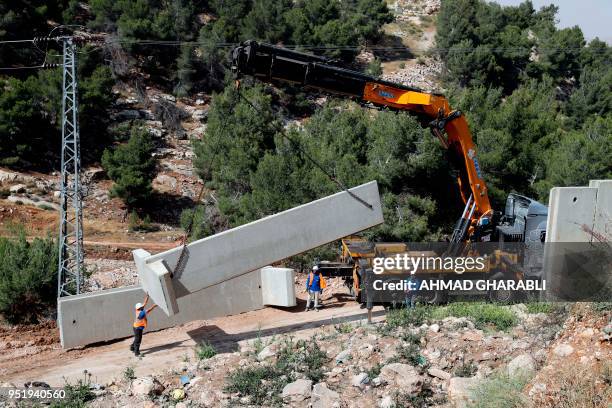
point(140, 323)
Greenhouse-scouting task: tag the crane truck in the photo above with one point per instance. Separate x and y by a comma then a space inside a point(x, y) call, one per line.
point(523, 220)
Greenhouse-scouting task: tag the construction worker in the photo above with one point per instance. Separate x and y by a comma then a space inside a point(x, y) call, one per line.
point(315, 283)
point(140, 323)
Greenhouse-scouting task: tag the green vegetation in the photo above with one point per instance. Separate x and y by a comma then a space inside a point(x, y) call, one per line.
point(541, 307)
point(263, 383)
point(77, 395)
point(128, 373)
point(466, 369)
point(256, 171)
point(205, 350)
point(28, 277)
point(501, 391)
point(537, 98)
point(483, 314)
point(131, 167)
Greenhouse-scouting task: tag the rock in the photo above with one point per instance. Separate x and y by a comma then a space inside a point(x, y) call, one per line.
point(376, 382)
point(199, 114)
point(387, 402)
point(537, 388)
point(460, 390)
point(563, 350)
point(587, 333)
point(401, 375)
point(147, 386)
point(365, 350)
point(18, 188)
point(360, 380)
point(473, 336)
point(178, 394)
point(343, 356)
point(441, 374)
point(434, 327)
point(266, 352)
point(520, 310)
point(165, 182)
point(297, 391)
point(323, 397)
point(180, 405)
point(523, 364)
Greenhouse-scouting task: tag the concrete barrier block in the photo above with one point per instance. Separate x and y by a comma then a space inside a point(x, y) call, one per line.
point(252, 246)
point(602, 220)
point(278, 286)
point(108, 314)
point(569, 209)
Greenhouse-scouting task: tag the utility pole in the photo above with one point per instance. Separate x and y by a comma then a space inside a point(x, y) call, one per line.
point(70, 270)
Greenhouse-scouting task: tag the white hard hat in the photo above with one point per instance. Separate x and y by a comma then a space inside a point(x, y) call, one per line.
point(315, 268)
point(138, 305)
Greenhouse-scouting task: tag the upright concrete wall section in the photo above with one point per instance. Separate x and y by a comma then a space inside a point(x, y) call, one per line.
point(569, 209)
point(278, 286)
point(602, 221)
point(252, 246)
point(109, 314)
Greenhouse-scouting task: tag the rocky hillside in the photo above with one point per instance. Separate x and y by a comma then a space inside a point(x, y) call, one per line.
point(518, 355)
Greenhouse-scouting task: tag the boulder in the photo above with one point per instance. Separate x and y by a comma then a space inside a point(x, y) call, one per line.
point(460, 390)
point(146, 386)
point(343, 356)
point(438, 373)
point(297, 391)
point(18, 188)
point(522, 364)
point(434, 328)
point(386, 402)
point(360, 380)
point(563, 350)
point(401, 375)
point(323, 397)
point(266, 352)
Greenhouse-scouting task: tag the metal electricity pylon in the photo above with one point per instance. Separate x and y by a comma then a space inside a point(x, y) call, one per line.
point(70, 270)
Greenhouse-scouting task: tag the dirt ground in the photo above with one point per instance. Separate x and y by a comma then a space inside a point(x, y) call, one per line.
point(44, 360)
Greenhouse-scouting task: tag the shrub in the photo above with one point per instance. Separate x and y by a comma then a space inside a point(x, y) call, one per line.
point(483, 314)
point(77, 395)
point(501, 391)
point(540, 307)
point(466, 369)
point(28, 277)
point(407, 316)
point(135, 223)
point(263, 384)
point(205, 350)
point(131, 166)
point(128, 373)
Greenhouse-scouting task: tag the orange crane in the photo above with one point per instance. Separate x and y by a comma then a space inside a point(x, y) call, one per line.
point(275, 64)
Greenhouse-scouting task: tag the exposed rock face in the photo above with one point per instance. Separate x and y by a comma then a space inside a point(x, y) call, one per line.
point(146, 386)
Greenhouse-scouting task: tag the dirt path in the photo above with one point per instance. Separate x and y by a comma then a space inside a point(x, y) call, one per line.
point(167, 348)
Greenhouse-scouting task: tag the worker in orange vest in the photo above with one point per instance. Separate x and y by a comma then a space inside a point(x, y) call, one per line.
point(140, 323)
point(315, 283)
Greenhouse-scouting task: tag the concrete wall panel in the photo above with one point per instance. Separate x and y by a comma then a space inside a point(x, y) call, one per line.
point(109, 314)
point(602, 220)
point(265, 241)
point(569, 209)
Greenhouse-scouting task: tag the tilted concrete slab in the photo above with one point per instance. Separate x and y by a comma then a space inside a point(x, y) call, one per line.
point(252, 246)
point(108, 314)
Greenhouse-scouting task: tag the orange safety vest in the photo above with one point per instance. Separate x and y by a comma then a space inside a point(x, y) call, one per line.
point(322, 282)
point(140, 322)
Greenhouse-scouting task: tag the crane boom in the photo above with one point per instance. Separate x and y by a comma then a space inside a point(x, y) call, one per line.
point(276, 64)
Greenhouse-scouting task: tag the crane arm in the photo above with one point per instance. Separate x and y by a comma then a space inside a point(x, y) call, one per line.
point(276, 64)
